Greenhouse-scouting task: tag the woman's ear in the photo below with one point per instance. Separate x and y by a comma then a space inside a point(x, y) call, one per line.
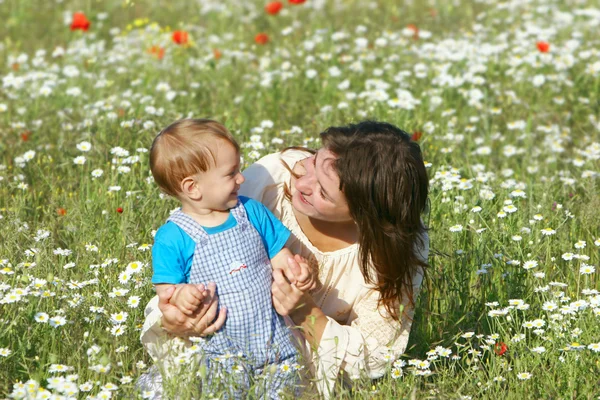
point(190, 188)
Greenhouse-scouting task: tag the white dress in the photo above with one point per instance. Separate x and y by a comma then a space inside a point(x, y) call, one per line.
point(359, 338)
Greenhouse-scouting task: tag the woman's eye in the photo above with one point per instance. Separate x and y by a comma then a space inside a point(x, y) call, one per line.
point(322, 194)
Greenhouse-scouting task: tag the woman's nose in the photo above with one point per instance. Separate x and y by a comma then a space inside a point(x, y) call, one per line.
point(305, 182)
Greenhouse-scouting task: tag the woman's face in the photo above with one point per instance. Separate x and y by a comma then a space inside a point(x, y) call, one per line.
point(316, 192)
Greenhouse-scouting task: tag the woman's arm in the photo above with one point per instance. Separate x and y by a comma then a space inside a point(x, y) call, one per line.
point(298, 305)
point(364, 346)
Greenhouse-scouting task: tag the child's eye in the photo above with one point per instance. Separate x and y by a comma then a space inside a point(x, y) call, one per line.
point(322, 193)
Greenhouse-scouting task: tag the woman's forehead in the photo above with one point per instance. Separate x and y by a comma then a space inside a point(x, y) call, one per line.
point(325, 162)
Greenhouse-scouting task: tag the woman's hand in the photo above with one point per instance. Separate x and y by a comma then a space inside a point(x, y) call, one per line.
point(299, 306)
point(287, 298)
point(288, 295)
point(200, 323)
point(306, 278)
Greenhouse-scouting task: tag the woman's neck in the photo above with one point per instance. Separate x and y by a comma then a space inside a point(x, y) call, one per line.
point(325, 235)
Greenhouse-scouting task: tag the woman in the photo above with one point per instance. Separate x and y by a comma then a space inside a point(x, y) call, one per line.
point(354, 209)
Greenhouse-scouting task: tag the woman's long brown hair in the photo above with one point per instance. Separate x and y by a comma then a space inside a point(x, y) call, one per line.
point(384, 181)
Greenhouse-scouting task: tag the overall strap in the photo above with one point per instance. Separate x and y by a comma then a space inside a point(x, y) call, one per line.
point(240, 215)
point(189, 226)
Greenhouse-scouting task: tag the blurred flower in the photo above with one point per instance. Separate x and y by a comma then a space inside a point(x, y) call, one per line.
point(530, 264)
point(524, 376)
point(261, 38)
point(539, 349)
point(500, 348)
point(80, 21)
point(548, 231)
point(411, 30)
point(84, 146)
point(595, 347)
point(586, 269)
point(57, 321)
point(456, 228)
point(120, 210)
point(180, 37)
point(274, 7)
point(543, 47)
point(156, 51)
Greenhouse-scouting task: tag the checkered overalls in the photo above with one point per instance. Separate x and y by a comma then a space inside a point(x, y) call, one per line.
point(236, 260)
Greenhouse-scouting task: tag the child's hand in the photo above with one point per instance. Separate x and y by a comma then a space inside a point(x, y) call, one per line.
point(305, 276)
point(188, 298)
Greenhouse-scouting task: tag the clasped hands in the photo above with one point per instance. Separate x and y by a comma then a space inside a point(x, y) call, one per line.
point(191, 309)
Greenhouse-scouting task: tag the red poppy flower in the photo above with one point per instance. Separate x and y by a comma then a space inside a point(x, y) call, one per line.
point(296, 1)
point(261, 38)
point(120, 210)
point(61, 211)
point(157, 51)
point(543, 47)
point(416, 136)
point(25, 136)
point(413, 28)
point(274, 7)
point(80, 21)
point(180, 37)
point(500, 348)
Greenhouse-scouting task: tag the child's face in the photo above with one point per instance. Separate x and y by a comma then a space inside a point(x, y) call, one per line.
point(220, 184)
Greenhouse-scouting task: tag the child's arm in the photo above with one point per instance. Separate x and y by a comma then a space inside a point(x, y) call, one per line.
point(187, 297)
point(274, 235)
point(303, 277)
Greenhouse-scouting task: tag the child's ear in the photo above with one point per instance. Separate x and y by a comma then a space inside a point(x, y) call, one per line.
point(190, 188)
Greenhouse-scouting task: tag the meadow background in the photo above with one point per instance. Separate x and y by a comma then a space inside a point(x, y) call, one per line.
point(503, 97)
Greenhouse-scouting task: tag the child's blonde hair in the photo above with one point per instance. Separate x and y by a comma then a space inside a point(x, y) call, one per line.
point(185, 148)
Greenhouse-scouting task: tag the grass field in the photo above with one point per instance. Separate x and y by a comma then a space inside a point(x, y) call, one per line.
point(503, 97)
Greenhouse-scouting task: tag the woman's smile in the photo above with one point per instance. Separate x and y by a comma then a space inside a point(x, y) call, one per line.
point(303, 199)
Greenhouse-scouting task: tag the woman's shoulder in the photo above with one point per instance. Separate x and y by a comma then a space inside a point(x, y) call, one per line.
point(276, 161)
point(270, 171)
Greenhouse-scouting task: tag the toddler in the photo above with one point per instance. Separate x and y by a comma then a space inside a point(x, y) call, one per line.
point(219, 237)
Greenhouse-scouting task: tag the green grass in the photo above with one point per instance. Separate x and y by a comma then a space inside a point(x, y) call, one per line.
point(554, 159)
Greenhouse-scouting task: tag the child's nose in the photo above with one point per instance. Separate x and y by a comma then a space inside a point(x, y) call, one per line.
point(240, 178)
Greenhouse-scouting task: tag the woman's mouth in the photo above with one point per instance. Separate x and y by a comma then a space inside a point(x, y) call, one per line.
point(303, 199)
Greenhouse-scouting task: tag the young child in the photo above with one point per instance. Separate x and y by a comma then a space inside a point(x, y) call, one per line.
point(219, 237)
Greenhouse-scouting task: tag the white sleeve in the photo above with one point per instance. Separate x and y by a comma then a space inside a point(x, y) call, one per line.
point(162, 347)
point(263, 175)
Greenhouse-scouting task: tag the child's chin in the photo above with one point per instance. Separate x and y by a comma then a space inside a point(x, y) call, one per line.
point(232, 203)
